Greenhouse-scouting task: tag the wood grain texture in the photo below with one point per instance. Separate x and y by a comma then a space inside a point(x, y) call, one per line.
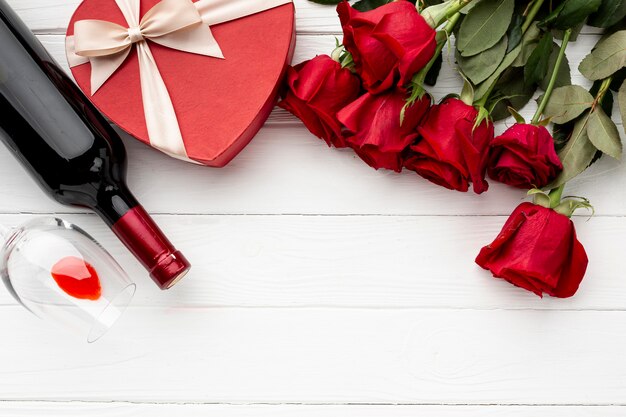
point(322, 287)
point(73, 409)
point(287, 171)
point(322, 356)
point(354, 261)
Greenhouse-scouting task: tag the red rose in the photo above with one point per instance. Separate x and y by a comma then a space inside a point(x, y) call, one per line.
point(388, 44)
point(451, 152)
point(524, 157)
point(374, 130)
point(537, 250)
point(317, 90)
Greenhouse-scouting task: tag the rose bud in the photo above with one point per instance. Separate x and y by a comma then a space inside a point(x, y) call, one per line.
point(316, 90)
point(389, 44)
point(451, 150)
point(524, 157)
point(374, 129)
point(537, 250)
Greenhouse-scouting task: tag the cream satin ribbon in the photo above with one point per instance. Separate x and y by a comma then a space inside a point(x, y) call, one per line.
point(178, 24)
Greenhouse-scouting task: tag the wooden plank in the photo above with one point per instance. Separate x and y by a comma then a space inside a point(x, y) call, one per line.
point(354, 261)
point(53, 15)
point(331, 309)
point(323, 356)
point(71, 409)
point(287, 170)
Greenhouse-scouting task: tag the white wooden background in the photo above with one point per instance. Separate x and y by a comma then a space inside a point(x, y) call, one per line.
point(323, 288)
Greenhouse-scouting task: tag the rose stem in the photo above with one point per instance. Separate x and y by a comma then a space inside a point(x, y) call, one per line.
point(552, 83)
point(531, 15)
point(604, 87)
point(452, 11)
point(418, 79)
point(555, 195)
point(483, 101)
point(448, 28)
point(527, 22)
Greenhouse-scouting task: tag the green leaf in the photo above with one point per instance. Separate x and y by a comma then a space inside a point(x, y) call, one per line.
point(573, 37)
point(609, 13)
point(549, 19)
point(529, 43)
point(575, 12)
point(484, 26)
point(518, 117)
point(576, 155)
point(596, 157)
point(483, 116)
point(608, 57)
point(465, 10)
point(544, 122)
point(514, 33)
point(365, 5)
point(570, 13)
point(603, 133)
point(562, 133)
point(540, 197)
point(571, 204)
point(538, 63)
point(479, 67)
point(509, 58)
point(510, 91)
point(563, 76)
point(618, 79)
point(567, 103)
point(607, 100)
point(483, 88)
point(621, 98)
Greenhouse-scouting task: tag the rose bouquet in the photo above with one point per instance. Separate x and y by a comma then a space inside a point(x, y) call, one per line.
point(370, 95)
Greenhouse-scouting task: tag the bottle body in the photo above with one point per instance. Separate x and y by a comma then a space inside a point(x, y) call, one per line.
point(70, 149)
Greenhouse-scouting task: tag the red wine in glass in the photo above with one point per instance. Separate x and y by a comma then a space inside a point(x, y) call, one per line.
point(70, 149)
point(63, 276)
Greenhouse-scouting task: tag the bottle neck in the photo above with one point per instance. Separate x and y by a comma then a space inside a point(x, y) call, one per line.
point(113, 202)
point(140, 234)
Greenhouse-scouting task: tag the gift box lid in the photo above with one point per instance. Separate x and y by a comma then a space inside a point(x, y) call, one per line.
point(219, 103)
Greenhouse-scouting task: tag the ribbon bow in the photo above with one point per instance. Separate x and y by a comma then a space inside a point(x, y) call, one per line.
point(178, 24)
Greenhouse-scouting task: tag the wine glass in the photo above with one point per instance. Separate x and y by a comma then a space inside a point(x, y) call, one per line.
point(62, 275)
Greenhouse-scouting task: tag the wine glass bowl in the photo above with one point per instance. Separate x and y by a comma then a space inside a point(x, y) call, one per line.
point(62, 275)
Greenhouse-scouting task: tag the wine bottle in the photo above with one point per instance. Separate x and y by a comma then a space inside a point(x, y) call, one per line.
point(70, 149)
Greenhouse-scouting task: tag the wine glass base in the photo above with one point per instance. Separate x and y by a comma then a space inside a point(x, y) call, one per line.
point(111, 313)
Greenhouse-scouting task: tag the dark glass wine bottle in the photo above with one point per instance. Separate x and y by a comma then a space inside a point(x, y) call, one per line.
point(70, 149)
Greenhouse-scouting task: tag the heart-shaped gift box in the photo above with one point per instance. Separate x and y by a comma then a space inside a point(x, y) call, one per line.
point(219, 104)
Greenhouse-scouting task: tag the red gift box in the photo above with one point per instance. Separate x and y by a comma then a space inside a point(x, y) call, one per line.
point(219, 104)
